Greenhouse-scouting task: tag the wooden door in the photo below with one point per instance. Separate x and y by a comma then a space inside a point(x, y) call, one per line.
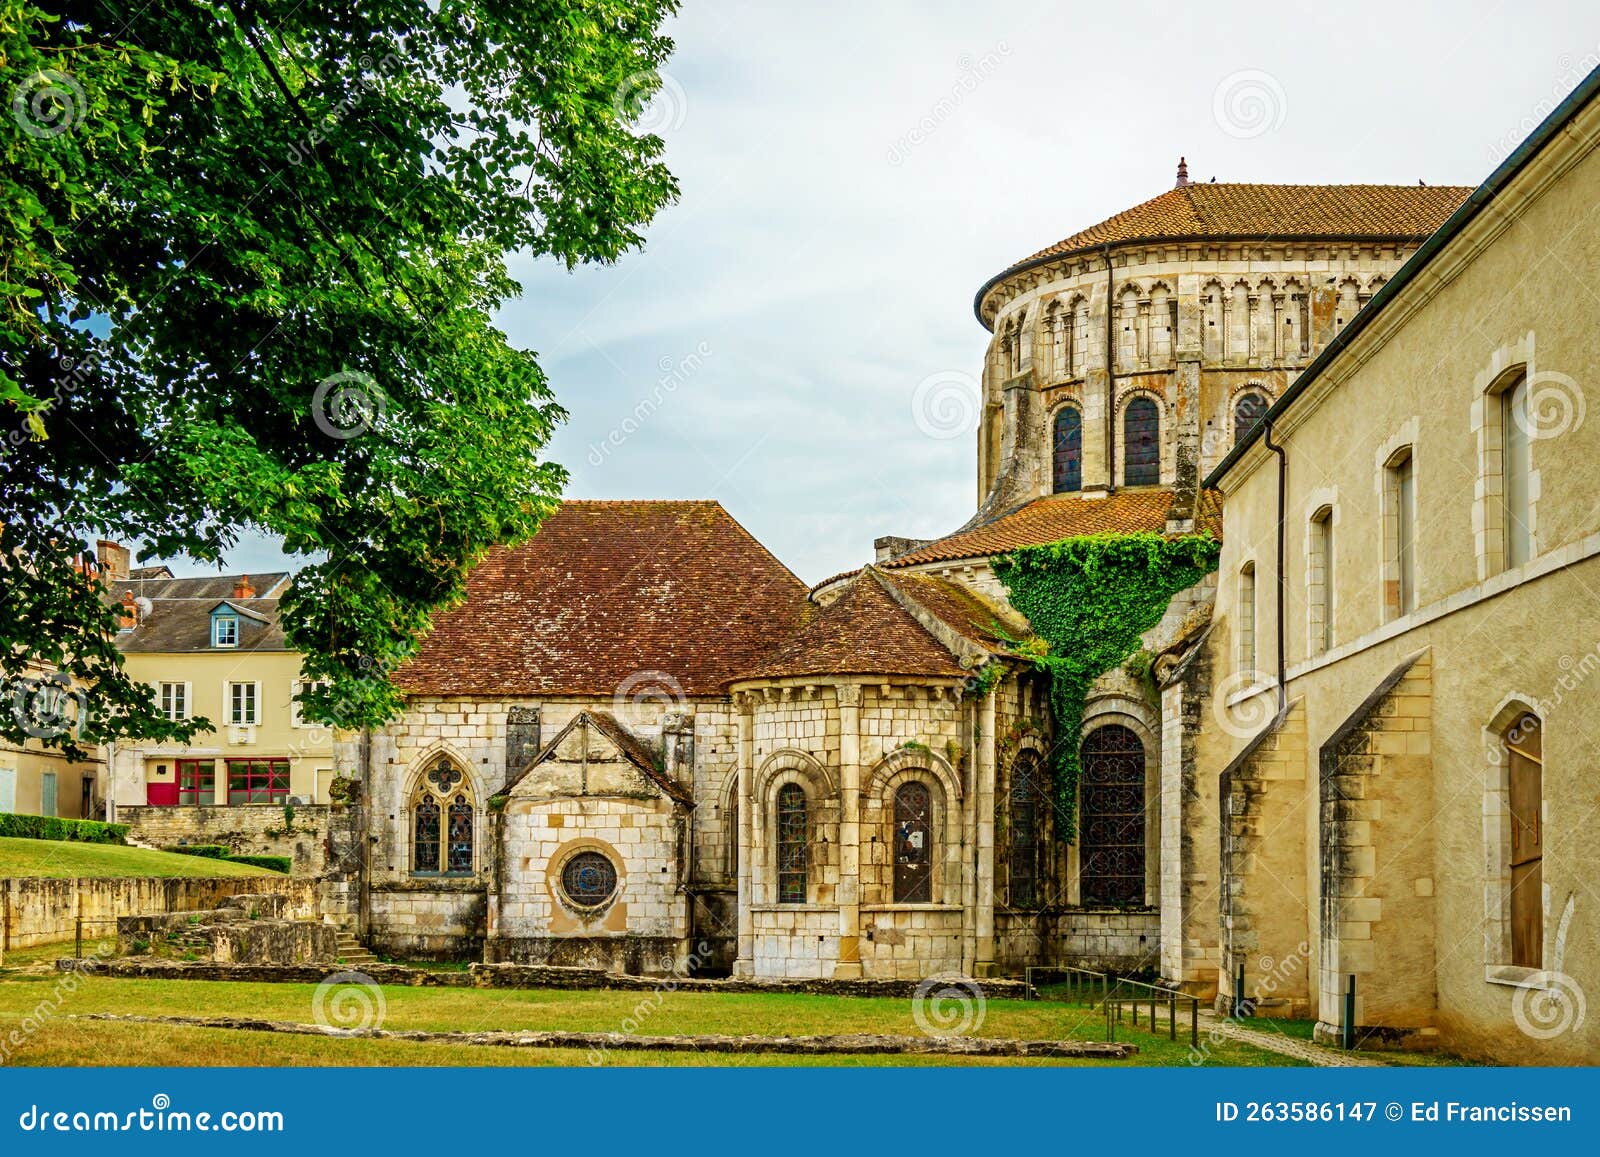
point(1524, 750)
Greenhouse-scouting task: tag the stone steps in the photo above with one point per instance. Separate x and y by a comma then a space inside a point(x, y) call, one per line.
point(352, 951)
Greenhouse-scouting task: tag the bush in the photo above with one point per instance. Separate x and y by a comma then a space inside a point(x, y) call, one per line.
point(275, 863)
point(55, 828)
point(209, 851)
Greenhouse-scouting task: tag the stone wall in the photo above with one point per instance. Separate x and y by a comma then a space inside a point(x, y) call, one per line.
point(428, 919)
point(255, 830)
point(1125, 942)
point(795, 939)
point(247, 929)
point(910, 941)
point(44, 911)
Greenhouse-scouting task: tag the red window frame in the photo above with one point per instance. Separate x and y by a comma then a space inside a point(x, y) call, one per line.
point(197, 776)
point(258, 781)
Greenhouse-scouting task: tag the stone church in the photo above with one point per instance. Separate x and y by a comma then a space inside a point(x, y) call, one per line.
point(642, 743)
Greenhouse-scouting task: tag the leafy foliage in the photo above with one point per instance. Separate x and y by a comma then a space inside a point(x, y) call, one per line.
point(1091, 598)
point(250, 254)
point(54, 828)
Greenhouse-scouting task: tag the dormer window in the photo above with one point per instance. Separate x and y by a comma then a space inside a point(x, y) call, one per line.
point(224, 630)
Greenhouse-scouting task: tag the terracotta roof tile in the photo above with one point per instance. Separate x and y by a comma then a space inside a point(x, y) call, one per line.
point(1239, 210)
point(1056, 517)
point(862, 632)
point(609, 590)
point(962, 609)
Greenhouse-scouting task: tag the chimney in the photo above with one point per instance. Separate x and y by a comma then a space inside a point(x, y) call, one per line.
point(1183, 173)
point(128, 617)
point(113, 559)
point(242, 588)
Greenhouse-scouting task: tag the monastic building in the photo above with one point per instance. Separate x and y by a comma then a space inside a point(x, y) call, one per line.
point(642, 743)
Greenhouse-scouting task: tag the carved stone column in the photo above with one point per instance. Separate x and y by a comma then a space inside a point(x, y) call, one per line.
point(983, 962)
point(849, 891)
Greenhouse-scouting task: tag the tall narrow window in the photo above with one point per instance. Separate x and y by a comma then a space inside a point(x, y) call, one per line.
point(1247, 617)
point(1025, 815)
point(1111, 853)
point(1141, 437)
point(1246, 412)
point(1525, 766)
point(1400, 533)
point(913, 837)
point(1516, 466)
point(1319, 581)
point(1060, 329)
point(1067, 469)
point(425, 818)
point(791, 844)
point(458, 856)
point(242, 703)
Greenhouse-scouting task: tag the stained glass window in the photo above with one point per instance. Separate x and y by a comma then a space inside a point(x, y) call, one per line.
point(425, 838)
point(589, 879)
point(1246, 411)
point(913, 839)
point(1141, 438)
point(791, 844)
point(1111, 855)
point(1068, 462)
point(1026, 815)
point(460, 832)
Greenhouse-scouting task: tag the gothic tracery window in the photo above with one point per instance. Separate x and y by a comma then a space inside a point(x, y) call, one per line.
point(791, 844)
point(1141, 438)
point(1111, 855)
point(1067, 460)
point(913, 839)
point(443, 822)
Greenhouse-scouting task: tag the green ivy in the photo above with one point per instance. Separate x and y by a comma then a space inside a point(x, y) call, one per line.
point(1091, 598)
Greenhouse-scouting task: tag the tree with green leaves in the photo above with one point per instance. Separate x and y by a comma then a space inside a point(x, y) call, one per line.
point(251, 253)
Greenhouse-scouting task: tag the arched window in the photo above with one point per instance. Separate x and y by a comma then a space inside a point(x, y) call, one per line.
point(1111, 854)
point(1246, 412)
point(1026, 816)
point(913, 839)
point(1247, 617)
point(791, 844)
point(1141, 439)
point(1067, 470)
point(443, 823)
point(1524, 746)
point(1399, 534)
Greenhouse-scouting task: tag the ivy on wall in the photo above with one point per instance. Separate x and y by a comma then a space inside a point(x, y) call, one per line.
point(1090, 598)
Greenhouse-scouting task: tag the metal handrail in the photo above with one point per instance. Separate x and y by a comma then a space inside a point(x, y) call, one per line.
point(1113, 1000)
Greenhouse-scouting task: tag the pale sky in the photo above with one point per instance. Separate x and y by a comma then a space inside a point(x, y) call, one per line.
point(851, 173)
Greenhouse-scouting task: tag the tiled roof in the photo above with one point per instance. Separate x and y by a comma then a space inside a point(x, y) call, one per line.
point(1238, 210)
point(604, 596)
point(179, 625)
point(862, 632)
point(962, 609)
point(213, 587)
point(1060, 516)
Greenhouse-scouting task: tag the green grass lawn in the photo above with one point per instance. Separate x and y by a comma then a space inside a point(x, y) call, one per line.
point(61, 859)
point(65, 1041)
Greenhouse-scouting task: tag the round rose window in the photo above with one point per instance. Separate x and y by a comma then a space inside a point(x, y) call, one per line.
point(589, 879)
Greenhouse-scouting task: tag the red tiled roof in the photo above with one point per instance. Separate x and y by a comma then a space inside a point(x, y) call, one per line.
point(610, 590)
point(1060, 516)
point(862, 632)
point(1238, 210)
